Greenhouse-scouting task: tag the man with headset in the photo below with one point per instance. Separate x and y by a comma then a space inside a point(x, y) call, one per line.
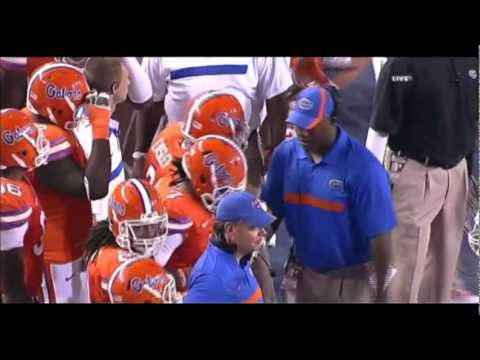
point(335, 198)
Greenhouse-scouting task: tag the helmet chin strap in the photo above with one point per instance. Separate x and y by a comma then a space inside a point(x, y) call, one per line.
point(213, 177)
point(70, 103)
point(51, 116)
point(232, 127)
point(19, 161)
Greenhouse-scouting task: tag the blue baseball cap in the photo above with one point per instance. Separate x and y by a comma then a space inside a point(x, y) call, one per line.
point(242, 205)
point(312, 105)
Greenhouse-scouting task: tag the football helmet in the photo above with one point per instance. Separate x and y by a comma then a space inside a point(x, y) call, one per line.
point(22, 142)
point(137, 217)
point(55, 91)
point(216, 166)
point(308, 70)
point(216, 113)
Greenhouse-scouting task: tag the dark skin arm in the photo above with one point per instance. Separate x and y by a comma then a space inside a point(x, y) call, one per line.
point(272, 131)
point(66, 176)
point(379, 250)
point(12, 277)
point(272, 229)
point(146, 126)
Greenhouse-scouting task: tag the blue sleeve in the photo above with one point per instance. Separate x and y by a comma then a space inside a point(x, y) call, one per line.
point(373, 210)
point(272, 191)
point(206, 288)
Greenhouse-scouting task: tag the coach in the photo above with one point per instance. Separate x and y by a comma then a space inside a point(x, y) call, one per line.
point(335, 198)
point(223, 274)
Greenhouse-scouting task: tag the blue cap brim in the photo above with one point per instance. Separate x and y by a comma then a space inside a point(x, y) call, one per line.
point(261, 219)
point(300, 120)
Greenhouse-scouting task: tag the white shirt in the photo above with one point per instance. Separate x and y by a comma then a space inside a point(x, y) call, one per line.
point(83, 133)
point(252, 80)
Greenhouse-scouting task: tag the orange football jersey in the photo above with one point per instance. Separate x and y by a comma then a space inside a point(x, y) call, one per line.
point(166, 147)
point(68, 218)
point(22, 226)
point(184, 209)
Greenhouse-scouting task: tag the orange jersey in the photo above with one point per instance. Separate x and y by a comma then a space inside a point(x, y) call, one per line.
point(195, 223)
point(21, 226)
point(166, 147)
point(115, 276)
point(68, 218)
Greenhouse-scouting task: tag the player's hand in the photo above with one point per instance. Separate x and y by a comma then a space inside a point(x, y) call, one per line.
point(98, 109)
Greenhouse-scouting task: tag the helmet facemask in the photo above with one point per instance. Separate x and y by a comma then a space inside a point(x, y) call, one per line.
point(169, 293)
point(40, 144)
point(211, 200)
point(143, 236)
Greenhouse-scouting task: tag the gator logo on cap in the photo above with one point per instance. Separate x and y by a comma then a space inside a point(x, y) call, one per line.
point(305, 104)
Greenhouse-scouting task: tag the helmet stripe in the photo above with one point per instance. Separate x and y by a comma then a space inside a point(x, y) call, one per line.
point(147, 204)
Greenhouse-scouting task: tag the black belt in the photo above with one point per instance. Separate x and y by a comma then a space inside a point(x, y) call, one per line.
point(429, 162)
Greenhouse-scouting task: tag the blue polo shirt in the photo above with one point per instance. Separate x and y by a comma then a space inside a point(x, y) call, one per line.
point(332, 209)
point(217, 277)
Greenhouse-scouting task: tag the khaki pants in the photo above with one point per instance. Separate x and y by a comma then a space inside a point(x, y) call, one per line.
point(430, 205)
point(348, 285)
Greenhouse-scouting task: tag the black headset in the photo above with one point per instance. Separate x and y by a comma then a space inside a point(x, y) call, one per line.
point(335, 94)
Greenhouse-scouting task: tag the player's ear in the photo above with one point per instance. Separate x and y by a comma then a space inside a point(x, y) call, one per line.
point(228, 230)
point(115, 87)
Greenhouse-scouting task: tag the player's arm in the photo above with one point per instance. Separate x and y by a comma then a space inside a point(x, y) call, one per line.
point(148, 119)
point(147, 125)
point(274, 82)
point(177, 228)
point(66, 176)
point(381, 261)
point(272, 191)
point(388, 109)
point(373, 214)
point(92, 182)
point(140, 88)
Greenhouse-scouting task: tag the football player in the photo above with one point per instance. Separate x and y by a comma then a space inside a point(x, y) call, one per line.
point(23, 147)
point(69, 181)
point(120, 250)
